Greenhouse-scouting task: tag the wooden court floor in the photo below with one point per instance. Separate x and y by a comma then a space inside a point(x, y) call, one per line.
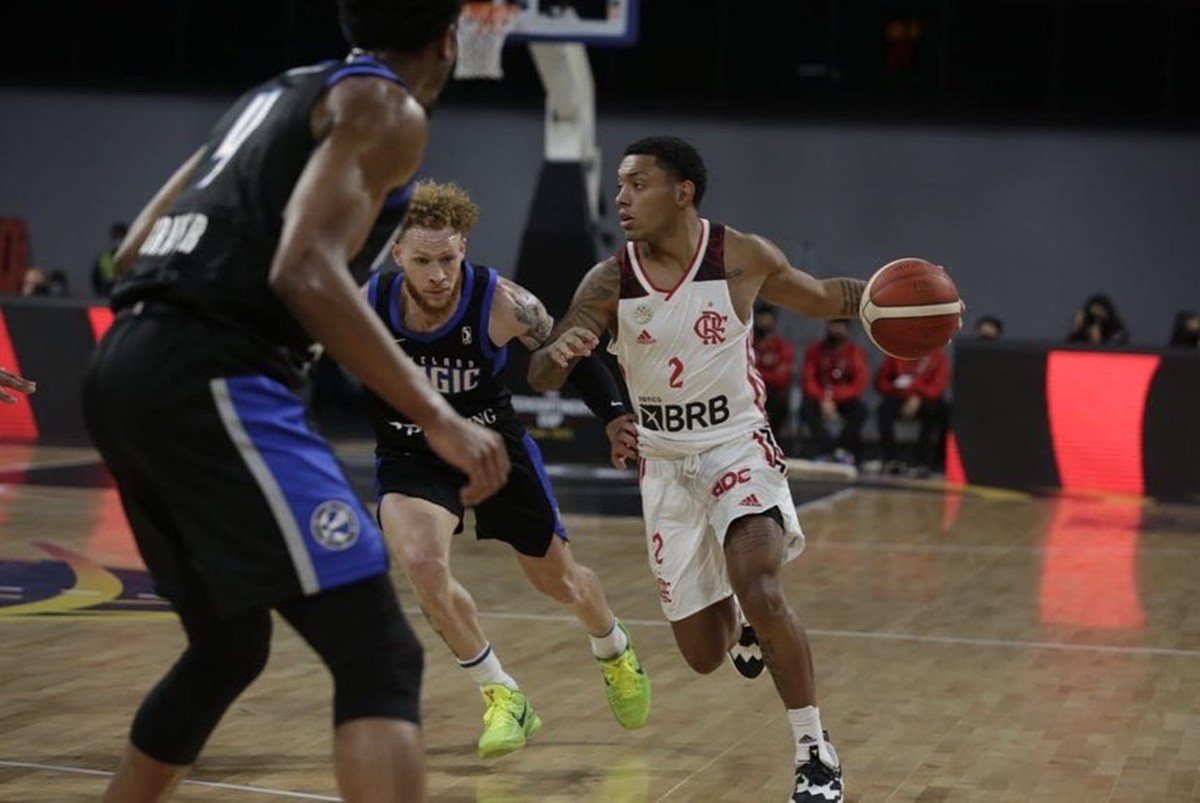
point(969, 647)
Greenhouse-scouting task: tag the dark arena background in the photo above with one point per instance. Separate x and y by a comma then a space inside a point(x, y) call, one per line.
point(999, 596)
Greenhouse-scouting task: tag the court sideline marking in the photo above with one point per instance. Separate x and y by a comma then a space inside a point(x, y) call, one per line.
point(888, 636)
point(266, 790)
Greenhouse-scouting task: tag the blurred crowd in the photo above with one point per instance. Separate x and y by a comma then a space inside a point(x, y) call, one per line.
point(820, 405)
point(906, 400)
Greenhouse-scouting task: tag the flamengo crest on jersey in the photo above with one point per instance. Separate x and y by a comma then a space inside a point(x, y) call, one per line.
point(687, 357)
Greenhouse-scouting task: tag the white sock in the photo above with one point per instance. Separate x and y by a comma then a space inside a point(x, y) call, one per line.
point(611, 644)
point(485, 669)
point(806, 731)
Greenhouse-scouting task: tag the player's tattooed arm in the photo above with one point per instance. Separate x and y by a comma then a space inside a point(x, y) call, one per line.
point(795, 290)
point(593, 312)
point(518, 313)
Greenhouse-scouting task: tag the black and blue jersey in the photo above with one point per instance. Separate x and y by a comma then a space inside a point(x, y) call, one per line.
point(211, 253)
point(459, 358)
point(466, 367)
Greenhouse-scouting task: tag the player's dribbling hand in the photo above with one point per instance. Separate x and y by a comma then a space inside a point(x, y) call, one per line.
point(623, 438)
point(573, 343)
point(17, 383)
point(476, 451)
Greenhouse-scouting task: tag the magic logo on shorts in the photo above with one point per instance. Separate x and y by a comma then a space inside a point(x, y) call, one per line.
point(334, 525)
point(681, 417)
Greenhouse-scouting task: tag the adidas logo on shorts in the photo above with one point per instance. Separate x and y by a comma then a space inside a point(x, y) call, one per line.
point(645, 338)
point(750, 501)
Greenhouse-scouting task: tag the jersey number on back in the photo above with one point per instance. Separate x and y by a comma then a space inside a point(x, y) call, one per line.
point(251, 118)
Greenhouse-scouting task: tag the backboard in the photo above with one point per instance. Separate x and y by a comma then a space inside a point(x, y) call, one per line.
point(590, 22)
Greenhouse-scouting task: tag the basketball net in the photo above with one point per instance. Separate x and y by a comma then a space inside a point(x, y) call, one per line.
point(482, 29)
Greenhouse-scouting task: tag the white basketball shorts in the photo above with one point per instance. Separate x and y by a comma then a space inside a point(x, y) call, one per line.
point(688, 504)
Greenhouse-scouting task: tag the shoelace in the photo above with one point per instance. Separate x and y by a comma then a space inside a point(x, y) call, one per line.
point(816, 771)
point(498, 706)
point(613, 669)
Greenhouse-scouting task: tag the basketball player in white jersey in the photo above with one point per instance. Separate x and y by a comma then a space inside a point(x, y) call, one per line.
point(678, 301)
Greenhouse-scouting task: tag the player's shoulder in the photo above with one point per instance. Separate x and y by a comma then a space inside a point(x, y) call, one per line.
point(752, 252)
point(750, 244)
point(375, 108)
point(608, 269)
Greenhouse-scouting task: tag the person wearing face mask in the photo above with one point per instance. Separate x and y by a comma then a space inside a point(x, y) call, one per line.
point(776, 361)
point(914, 390)
point(834, 379)
point(1098, 324)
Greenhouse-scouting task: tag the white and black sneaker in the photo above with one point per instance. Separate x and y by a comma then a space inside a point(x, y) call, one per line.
point(817, 781)
point(747, 655)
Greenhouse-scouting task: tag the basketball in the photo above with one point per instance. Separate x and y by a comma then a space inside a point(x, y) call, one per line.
point(910, 308)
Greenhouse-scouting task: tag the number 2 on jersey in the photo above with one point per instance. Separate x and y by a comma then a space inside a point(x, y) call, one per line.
point(676, 380)
point(251, 118)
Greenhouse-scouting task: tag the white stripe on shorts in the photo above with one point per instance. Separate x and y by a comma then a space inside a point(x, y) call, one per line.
point(267, 483)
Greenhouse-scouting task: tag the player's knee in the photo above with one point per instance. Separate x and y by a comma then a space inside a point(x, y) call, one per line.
point(236, 656)
point(762, 599)
point(565, 587)
point(428, 570)
point(381, 679)
point(704, 659)
point(178, 715)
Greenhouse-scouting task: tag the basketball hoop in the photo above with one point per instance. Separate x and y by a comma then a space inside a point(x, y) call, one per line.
point(482, 29)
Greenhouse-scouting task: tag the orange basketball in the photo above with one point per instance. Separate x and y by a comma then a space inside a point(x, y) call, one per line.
point(910, 308)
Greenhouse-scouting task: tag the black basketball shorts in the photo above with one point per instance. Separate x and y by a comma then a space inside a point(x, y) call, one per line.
point(523, 514)
point(218, 469)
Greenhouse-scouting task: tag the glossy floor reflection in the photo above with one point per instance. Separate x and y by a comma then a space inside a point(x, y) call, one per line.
point(969, 646)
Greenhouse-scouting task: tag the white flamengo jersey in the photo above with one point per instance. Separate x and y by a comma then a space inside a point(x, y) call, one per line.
point(688, 359)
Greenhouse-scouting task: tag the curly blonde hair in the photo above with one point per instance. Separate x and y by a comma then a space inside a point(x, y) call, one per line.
point(440, 206)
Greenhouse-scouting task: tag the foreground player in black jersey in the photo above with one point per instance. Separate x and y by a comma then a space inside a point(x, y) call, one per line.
point(238, 264)
point(456, 320)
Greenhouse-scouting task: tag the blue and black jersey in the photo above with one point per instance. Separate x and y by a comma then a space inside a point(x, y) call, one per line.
point(212, 252)
point(459, 358)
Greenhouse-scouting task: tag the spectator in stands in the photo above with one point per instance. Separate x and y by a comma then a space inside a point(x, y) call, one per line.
point(34, 282)
point(1098, 324)
point(38, 283)
point(834, 379)
point(989, 327)
point(776, 362)
point(1186, 334)
point(103, 270)
point(57, 285)
point(914, 389)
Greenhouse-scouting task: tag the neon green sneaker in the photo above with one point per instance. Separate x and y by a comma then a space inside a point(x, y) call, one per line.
point(507, 722)
point(626, 686)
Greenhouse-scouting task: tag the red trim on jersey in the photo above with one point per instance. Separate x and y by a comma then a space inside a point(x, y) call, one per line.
point(767, 452)
point(779, 460)
point(755, 379)
point(693, 267)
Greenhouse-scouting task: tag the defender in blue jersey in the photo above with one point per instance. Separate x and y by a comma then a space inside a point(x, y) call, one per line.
point(233, 270)
point(456, 321)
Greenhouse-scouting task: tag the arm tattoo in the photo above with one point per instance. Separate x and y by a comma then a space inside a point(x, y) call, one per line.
point(530, 313)
point(851, 291)
point(594, 302)
point(594, 308)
